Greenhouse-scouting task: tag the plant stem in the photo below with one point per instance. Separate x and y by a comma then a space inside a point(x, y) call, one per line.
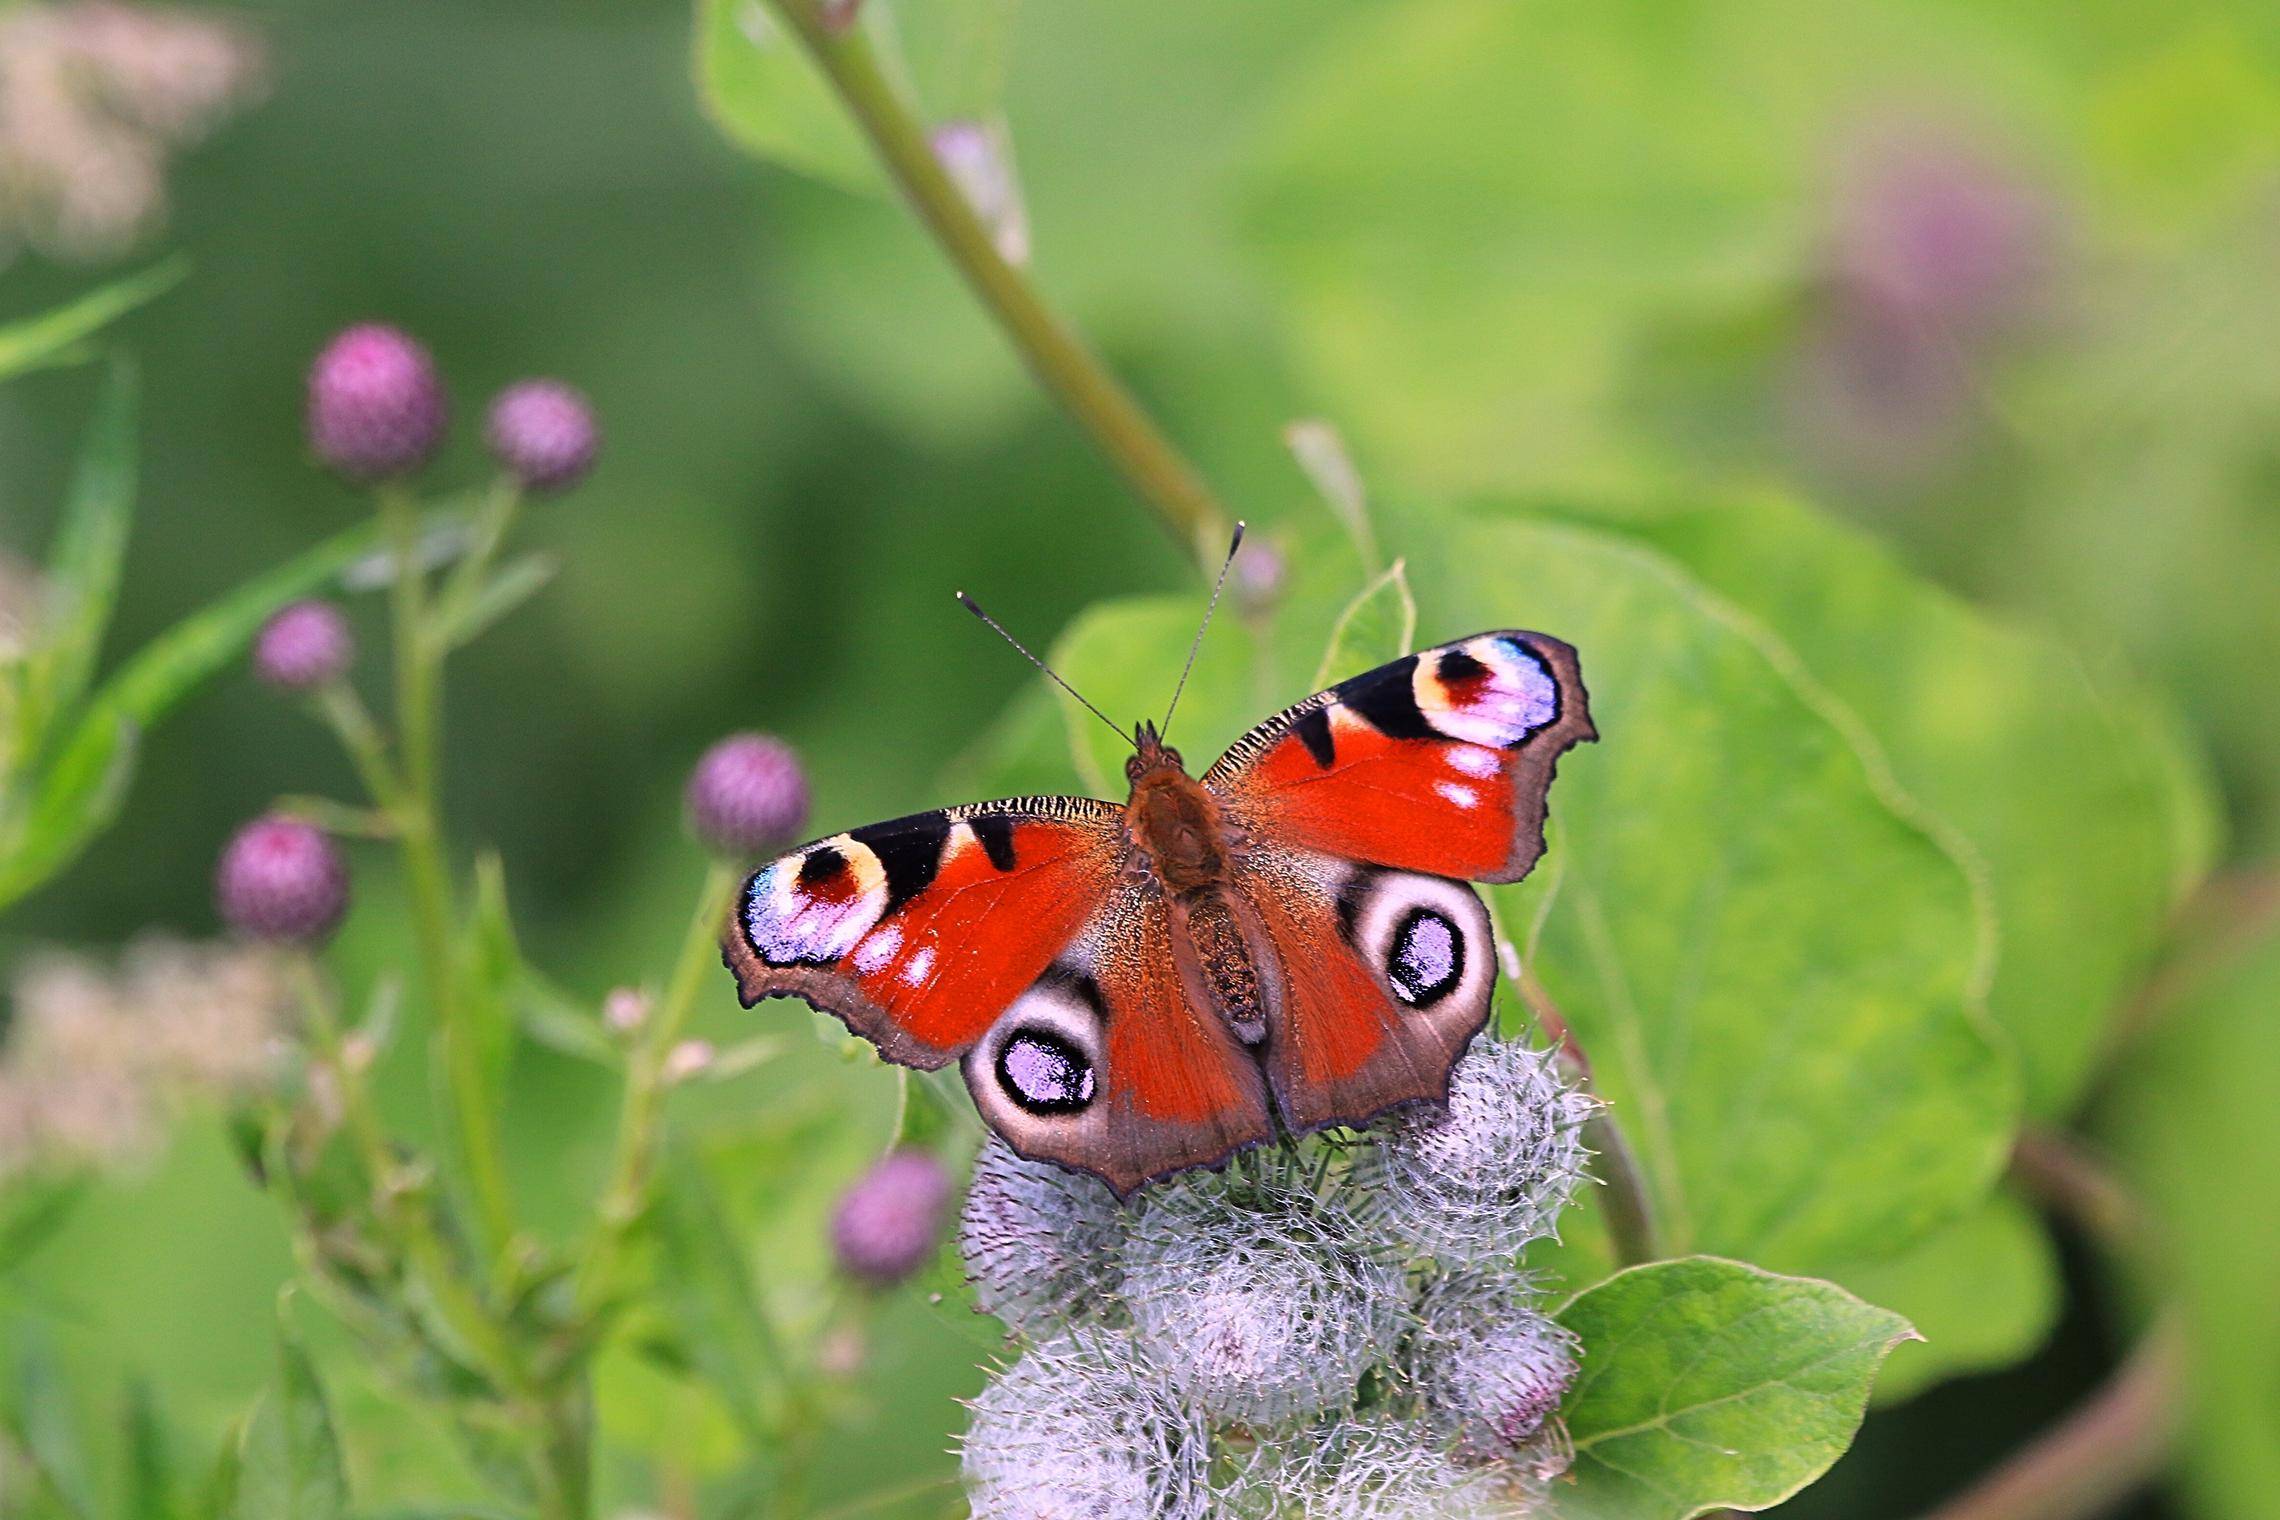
point(474, 1122)
point(1096, 399)
point(1631, 1227)
point(633, 1160)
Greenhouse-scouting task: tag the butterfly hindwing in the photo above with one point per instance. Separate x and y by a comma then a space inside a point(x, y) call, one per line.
point(1005, 935)
point(1438, 762)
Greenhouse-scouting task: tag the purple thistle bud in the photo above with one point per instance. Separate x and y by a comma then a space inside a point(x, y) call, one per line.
point(376, 408)
point(543, 433)
point(747, 796)
point(1039, 1240)
point(888, 1223)
point(1084, 1425)
point(1489, 1367)
point(1476, 1181)
point(303, 646)
point(281, 879)
point(1259, 1302)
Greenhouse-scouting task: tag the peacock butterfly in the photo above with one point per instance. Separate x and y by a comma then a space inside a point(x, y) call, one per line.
point(1284, 943)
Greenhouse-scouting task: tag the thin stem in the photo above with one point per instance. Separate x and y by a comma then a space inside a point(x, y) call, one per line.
point(1630, 1213)
point(489, 530)
point(418, 720)
point(351, 721)
point(1058, 358)
point(633, 1160)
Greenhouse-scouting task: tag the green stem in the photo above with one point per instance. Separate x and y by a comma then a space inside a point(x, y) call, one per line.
point(1058, 358)
point(418, 716)
point(1630, 1211)
point(633, 1160)
point(485, 535)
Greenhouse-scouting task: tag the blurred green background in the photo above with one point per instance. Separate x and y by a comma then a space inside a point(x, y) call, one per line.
point(2000, 281)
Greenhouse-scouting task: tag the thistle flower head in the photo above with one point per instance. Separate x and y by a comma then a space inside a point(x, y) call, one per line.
point(376, 407)
point(303, 646)
point(1083, 1427)
point(1371, 1469)
point(747, 796)
point(1262, 1303)
point(1490, 1369)
point(1039, 1240)
point(1480, 1179)
point(543, 433)
point(282, 879)
point(888, 1223)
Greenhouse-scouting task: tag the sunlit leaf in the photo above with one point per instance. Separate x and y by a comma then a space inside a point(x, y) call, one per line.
point(767, 97)
point(1709, 1384)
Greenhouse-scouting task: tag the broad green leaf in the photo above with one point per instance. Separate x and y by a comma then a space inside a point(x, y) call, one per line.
point(766, 96)
point(289, 1462)
point(1768, 958)
point(2192, 1121)
point(78, 794)
point(2064, 787)
point(1125, 655)
point(89, 551)
point(1983, 1292)
point(1378, 625)
point(1710, 1384)
point(54, 336)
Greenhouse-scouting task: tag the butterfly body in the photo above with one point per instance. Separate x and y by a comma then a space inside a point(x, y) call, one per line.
point(1284, 943)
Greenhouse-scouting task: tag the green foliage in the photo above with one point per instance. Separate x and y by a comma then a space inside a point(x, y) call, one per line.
point(1983, 1292)
point(1710, 1384)
point(59, 335)
point(2193, 1119)
point(766, 97)
point(289, 1463)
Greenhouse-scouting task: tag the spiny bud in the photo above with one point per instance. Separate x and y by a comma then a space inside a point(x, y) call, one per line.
point(376, 408)
point(1477, 1181)
point(1377, 1468)
point(888, 1223)
point(1259, 1301)
point(747, 796)
point(303, 646)
point(281, 879)
point(1489, 1367)
point(1084, 1426)
point(1039, 1240)
point(543, 433)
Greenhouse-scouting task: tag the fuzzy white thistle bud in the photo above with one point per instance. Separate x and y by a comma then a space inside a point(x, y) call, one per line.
point(1082, 1425)
point(1261, 1302)
point(1489, 1367)
point(1476, 1182)
point(1039, 1241)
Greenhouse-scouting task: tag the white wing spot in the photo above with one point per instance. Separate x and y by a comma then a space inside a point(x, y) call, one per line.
point(1462, 796)
point(1475, 761)
point(874, 953)
point(919, 966)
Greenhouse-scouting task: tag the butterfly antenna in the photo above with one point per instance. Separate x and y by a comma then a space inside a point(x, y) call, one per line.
point(1193, 649)
point(1051, 674)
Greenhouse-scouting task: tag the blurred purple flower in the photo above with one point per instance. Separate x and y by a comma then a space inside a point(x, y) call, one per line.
point(281, 879)
point(303, 646)
point(376, 407)
point(543, 433)
point(1944, 228)
point(889, 1222)
point(747, 796)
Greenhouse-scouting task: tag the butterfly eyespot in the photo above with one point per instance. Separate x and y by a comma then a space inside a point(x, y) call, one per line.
point(1427, 958)
point(1045, 1073)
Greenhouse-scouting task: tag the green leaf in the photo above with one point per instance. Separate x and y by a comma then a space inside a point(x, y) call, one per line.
point(78, 794)
point(1378, 625)
point(289, 1461)
point(47, 1423)
point(54, 336)
point(2192, 1122)
point(84, 564)
point(1769, 959)
point(149, 1485)
point(2065, 788)
point(491, 963)
point(1708, 1384)
point(1984, 1292)
point(32, 1209)
point(766, 96)
point(514, 585)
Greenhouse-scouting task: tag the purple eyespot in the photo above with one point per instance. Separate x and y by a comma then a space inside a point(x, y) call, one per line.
point(1045, 1073)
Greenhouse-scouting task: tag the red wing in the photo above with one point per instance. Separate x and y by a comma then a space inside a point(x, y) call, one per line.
point(1113, 1062)
point(1438, 762)
point(1384, 977)
point(919, 932)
